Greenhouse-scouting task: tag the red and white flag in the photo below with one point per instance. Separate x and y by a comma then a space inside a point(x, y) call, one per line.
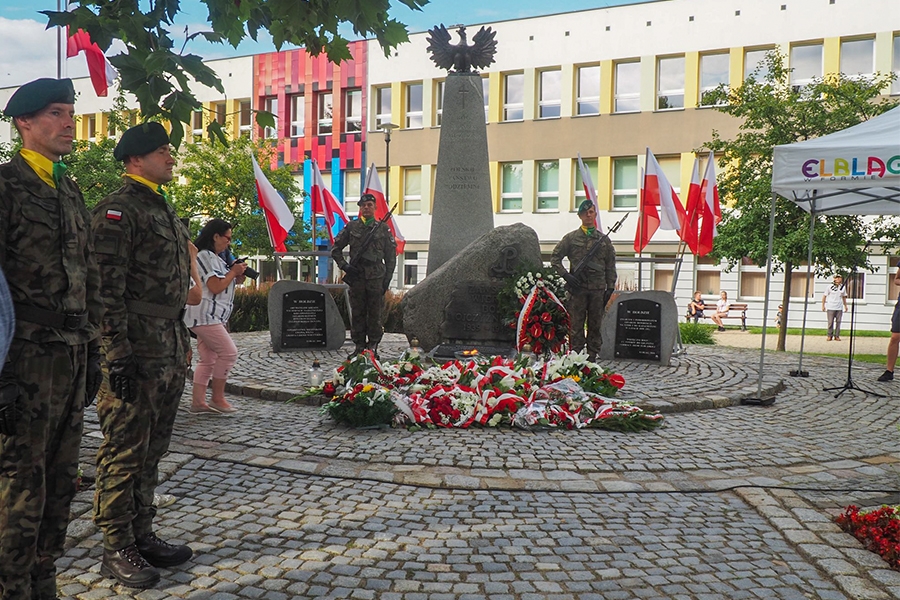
point(694, 210)
point(660, 207)
point(712, 215)
point(590, 191)
point(101, 70)
point(373, 186)
point(279, 219)
point(323, 202)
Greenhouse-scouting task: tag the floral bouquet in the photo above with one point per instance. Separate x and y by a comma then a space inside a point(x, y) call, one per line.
point(537, 313)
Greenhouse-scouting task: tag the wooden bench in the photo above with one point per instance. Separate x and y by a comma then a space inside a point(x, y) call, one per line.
point(737, 307)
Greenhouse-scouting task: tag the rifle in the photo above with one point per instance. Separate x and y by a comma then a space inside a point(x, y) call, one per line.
point(349, 277)
point(586, 259)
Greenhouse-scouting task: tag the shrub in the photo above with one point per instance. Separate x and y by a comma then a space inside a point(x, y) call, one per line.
point(251, 308)
point(696, 333)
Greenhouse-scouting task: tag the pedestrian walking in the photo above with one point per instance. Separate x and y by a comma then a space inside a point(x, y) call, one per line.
point(145, 264)
point(373, 255)
point(834, 303)
point(52, 370)
point(588, 288)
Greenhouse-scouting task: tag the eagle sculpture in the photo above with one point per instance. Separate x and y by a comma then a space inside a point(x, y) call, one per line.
point(461, 57)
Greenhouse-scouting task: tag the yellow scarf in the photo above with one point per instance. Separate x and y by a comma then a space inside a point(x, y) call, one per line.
point(153, 186)
point(588, 230)
point(50, 172)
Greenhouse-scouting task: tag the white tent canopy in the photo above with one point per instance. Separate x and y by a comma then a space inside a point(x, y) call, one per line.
point(855, 171)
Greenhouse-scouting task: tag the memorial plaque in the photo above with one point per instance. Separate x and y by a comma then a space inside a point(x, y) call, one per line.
point(303, 319)
point(473, 314)
point(638, 330)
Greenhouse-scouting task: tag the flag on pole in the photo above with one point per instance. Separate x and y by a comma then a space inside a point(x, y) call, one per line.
point(712, 211)
point(660, 207)
point(323, 202)
point(101, 70)
point(373, 186)
point(693, 210)
point(590, 191)
point(279, 219)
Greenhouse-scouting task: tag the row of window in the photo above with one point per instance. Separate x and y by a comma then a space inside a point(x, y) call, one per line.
point(323, 105)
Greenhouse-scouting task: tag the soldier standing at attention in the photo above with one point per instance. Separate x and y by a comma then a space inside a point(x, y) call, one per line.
point(143, 250)
point(52, 370)
point(373, 255)
point(588, 289)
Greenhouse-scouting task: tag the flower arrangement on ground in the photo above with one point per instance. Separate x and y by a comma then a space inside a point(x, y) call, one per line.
point(532, 301)
point(878, 530)
point(566, 391)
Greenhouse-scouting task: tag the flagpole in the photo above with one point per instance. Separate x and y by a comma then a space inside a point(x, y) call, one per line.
point(59, 41)
point(641, 231)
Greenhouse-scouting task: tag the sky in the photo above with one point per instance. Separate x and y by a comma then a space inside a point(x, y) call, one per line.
point(28, 50)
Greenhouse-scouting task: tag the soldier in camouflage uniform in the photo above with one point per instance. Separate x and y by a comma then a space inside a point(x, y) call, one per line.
point(589, 290)
point(52, 370)
point(370, 270)
point(143, 251)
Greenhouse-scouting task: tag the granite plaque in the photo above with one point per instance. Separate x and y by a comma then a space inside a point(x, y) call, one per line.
point(303, 319)
point(473, 314)
point(638, 330)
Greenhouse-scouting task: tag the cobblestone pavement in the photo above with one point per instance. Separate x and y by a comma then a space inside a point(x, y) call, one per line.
point(728, 502)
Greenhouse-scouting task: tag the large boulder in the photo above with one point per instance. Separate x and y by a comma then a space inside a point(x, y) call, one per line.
point(483, 264)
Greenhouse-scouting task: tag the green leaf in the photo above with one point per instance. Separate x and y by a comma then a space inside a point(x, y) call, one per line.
point(265, 119)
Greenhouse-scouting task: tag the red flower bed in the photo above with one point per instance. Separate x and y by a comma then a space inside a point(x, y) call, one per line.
point(878, 530)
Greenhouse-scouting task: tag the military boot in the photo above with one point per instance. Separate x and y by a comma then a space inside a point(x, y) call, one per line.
point(160, 553)
point(129, 567)
point(374, 349)
point(359, 348)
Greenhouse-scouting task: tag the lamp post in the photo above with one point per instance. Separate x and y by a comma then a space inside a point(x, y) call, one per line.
point(387, 128)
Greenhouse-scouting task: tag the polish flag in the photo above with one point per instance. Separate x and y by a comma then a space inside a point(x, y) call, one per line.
point(590, 191)
point(373, 186)
point(712, 212)
point(694, 209)
point(324, 203)
point(101, 70)
point(659, 205)
point(279, 219)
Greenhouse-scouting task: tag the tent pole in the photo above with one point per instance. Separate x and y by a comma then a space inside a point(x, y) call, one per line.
point(762, 349)
point(812, 225)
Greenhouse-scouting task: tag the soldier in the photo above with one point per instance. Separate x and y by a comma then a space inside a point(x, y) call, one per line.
point(145, 266)
point(52, 370)
point(373, 254)
point(589, 289)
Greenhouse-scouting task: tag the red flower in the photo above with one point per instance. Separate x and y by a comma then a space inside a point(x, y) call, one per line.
point(546, 317)
point(550, 333)
point(617, 381)
point(536, 331)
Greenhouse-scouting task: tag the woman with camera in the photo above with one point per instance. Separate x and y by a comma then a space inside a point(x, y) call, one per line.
point(207, 320)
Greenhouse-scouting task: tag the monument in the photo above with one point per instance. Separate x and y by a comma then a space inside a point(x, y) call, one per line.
point(640, 326)
point(463, 210)
point(304, 316)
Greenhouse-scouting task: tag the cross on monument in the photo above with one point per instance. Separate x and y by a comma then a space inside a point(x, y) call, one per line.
point(464, 91)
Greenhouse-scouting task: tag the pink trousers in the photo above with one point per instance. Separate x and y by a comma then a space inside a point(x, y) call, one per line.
point(217, 353)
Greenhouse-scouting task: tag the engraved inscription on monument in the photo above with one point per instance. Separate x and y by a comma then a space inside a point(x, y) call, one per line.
point(473, 314)
point(303, 319)
point(638, 330)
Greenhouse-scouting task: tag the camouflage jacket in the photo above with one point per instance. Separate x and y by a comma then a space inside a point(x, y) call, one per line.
point(46, 251)
point(380, 257)
point(142, 248)
point(601, 270)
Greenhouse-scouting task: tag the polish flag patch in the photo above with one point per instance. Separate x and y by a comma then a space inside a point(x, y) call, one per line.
point(114, 215)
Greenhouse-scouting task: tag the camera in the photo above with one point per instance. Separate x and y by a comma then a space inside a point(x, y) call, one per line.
point(250, 272)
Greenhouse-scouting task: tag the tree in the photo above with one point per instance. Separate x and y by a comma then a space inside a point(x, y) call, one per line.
point(219, 182)
point(773, 113)
point(160, 78)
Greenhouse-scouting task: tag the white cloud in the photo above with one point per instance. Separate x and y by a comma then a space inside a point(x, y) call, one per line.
point(28, 51)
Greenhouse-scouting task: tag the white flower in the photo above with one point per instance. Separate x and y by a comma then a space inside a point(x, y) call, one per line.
point(495, 420)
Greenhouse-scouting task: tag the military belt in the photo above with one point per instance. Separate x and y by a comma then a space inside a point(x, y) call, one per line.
point(150, 309)
point(52, 319)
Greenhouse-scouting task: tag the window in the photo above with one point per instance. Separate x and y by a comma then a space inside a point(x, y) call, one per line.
point(550, 94)
point(220, 112)
point(485, 90)
point(412, 191)
point(806, 64)
point(271, 105)
point(92, 129)
point(625, 183)
point(382, 106)
point(324, 113)
point(893, 290)
point(352, 192)
point(858, 57)
point(548, 186)
point(511, 190)
point(414, 106)
point(628, 87)
point(591, 166)
point(410, 268)
point(670, 83)
point(298, 116)
point(587, 101)
point(664, 272)
point(438, 102)
point(713, 73)
point(513, 96)
point(671, 168)
point(197, 125)
point(856, 286)
point(353, 110)
point(755, 65)
point(895, 61)
point(708, 277)
point(246, 123)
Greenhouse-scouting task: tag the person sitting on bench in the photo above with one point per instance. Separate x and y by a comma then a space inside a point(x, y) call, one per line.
point(721, 310)
point(696, 307)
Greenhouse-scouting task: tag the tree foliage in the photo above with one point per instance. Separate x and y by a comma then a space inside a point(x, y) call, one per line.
point(160, 76)
point(215, 180)
point(773, 112)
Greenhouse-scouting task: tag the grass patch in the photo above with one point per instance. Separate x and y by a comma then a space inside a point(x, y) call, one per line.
point(876, 359)
point(819, 332)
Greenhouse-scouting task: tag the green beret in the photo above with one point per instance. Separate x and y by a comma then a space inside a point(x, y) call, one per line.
point(366, 198)
point(35, 95)
point(140, 140)
point(587, 204)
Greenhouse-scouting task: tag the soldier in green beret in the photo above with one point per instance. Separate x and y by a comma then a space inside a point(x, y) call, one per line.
point(52, 370)
point(588, 290)
point(143, 250)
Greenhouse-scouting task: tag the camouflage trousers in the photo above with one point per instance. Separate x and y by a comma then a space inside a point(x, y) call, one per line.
point(136, 435)
point(39, 466)
point(586, 306)
point(367, 305)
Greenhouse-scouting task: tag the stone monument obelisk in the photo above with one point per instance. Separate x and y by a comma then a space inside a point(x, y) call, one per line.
point(463, 210)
